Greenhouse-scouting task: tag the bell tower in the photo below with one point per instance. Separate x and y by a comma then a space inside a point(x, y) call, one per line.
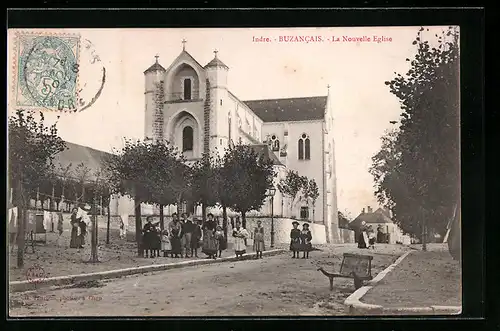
point(154, 101)
point(216, 73)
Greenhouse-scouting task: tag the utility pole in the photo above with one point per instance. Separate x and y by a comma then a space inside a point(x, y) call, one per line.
point(94, 258)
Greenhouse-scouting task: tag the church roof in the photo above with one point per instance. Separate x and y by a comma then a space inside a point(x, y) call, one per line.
point(155, 67)
point(263, 149)
point(216, 62)
point(76, 154)
point(370, 218)
point(289, 110)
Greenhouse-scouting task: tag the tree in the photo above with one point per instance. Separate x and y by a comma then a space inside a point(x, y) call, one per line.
point(32, 149)
point(291, 185)
point(247, 176)
point(149, 172)
point(417, 171)
point(204, 182)
point(312, 192)
point(82, 172)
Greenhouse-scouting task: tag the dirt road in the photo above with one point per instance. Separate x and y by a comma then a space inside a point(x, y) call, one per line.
point(277, 285)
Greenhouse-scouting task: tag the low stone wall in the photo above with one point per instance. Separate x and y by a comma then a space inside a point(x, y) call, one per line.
point(282, 227)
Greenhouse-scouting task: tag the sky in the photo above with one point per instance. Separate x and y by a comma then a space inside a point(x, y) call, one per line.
point(355, 71)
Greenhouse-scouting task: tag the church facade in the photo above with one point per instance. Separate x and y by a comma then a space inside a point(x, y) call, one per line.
point(192, 107)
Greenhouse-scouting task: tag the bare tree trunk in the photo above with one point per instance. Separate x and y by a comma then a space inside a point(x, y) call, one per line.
point(203, 213)
point(93, 248)
point(138, 226)
point(162, 221)
point(224, 221)
point(108, 210)
point(243, 220)
point(21, 224)
point(244, 223)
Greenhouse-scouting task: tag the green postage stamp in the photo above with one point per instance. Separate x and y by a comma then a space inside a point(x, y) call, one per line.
point(46, 67)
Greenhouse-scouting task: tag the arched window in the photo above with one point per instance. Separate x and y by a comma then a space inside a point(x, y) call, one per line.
point(301, 149)
point(304, 147)
point(187, 89)
point(308, 149)
point(275, 143)
point(187, 139)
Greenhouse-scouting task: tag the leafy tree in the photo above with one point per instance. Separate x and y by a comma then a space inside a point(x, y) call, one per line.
point(204, 182)
point(417, 170)
point(291, 185)
point(247, 176)
point(312, 192)
point(82, 173)
point(32, 149)
point(149, 172)
point(171, 177)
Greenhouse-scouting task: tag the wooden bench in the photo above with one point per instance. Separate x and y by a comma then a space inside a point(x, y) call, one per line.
point(355, 266)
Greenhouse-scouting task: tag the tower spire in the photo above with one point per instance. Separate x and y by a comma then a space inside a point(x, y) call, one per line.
point(184, 41)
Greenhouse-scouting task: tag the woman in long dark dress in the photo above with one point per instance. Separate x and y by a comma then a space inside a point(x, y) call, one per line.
point(75, 227)
point(148, 237)
point(295, 239)
point(209, 240)
point(195, 238)
point(175, 236)
point(305, 241)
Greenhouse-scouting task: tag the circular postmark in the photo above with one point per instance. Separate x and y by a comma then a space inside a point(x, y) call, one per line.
point(35, 274)
point(50, 73)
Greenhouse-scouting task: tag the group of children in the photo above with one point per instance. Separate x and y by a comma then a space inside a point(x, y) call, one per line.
point(300, 240)
point(183, 238)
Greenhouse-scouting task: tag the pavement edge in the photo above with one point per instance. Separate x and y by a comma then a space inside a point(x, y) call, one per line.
point(356, 307)
point(22, 286)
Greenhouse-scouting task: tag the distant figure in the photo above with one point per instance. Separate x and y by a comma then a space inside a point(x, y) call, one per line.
point(380, 234)
point(195, 238)
point(295, 239)
point(122, 229)
point(82, 215)
point(362, 239)
point(187, 232)
point(219, 236)
point(148, 238)
point(209, 239)
point(166, 246)
point(371, 237)
point(75, 230)
point(258, 240)
point(240, 234)
point(156, 239)
point(305, 241)
point(175, 230)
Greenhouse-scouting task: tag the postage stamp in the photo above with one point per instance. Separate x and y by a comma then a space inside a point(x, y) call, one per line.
point(46, 71)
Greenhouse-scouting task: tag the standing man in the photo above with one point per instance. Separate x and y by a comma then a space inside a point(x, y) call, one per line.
point(187, 232)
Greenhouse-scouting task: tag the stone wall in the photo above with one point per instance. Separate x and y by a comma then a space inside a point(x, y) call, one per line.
point(282, 227)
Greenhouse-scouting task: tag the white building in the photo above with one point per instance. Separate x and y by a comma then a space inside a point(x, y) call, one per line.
point(192, 106)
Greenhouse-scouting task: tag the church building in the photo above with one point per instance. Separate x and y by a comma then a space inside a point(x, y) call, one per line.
point(191, 105)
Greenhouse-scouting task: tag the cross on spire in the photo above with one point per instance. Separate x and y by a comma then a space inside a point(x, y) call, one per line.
point(328, 86)
point(184, 41)
point(157, 56)
point(215, 52)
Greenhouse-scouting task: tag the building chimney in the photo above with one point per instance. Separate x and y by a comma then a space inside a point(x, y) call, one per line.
point(369, 209)
point(363, 211)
